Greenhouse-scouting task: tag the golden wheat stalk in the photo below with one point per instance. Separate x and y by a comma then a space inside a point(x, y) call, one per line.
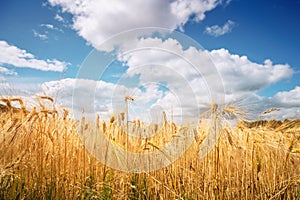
point(47, 98)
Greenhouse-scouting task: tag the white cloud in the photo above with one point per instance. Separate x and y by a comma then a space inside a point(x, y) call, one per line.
point(228, 2)
point(166, 62)
point(184, 9)
point(288, 103)
point(217, 31)
point(45, 4)
point(6, 71)
point(288, 98)
point(12, 55)
point(241, 75)
point(105, 98)
point(39, 35)
point(51, 27)
point(59, 18)
point(168, 55)
point(98, 20)
point(169, 81)
point(284, 113)
point(108, 99)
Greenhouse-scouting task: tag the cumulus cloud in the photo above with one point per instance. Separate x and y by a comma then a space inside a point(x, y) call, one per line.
point(6, 71)
point(59, 18)
point(98, 20)
point(184, 9)
point(157, 60)
point(217, 30)
point(180, 84)
point(286, 103)
point(239, 74)
point(39, 35)
point(51, 27)
point(188, 74)
point(169, 53)
point(242, 75)
point(284, 113)
point(288, 98)
point(100, 97)
point(227, 2)
point(12, 55)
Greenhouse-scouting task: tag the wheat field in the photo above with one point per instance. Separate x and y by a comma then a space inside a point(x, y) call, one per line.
point(43, 157)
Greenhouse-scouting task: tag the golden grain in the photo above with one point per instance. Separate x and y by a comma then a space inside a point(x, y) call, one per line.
point(43, 157)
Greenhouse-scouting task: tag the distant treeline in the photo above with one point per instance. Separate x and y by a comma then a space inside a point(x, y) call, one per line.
point(275, 124)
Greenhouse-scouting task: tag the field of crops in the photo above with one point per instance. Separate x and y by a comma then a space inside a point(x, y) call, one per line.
point(42, 157)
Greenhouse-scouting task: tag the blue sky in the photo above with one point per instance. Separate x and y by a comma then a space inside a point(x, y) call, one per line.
point(59, 35)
